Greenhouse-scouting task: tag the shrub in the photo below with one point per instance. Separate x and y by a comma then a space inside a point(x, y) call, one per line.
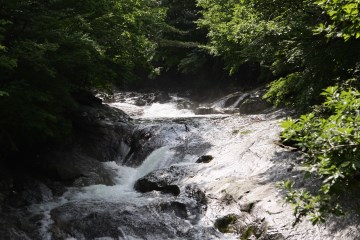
point(330, 138)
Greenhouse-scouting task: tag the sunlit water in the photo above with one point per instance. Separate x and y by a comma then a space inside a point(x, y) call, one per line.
point(228, 144)
point(123, 191)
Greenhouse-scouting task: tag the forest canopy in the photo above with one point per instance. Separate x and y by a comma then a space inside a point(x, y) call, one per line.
point(305, 45)
point(51, 49)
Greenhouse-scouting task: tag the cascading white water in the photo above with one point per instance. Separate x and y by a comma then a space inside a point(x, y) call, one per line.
point(156, 110)
point(166, 110)
point(123, 191)
point(126, 178)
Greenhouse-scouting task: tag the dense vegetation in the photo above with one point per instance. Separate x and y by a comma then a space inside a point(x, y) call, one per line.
point(295, 43)
point(329, 137)
point(50, 50)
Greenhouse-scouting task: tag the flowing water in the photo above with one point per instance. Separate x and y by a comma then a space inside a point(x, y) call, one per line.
point(122, 195)
point(240, 180)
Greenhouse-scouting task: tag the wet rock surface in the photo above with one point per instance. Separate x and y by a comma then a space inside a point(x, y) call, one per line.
point(159, 220)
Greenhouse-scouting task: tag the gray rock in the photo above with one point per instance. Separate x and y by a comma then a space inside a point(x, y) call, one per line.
point(163, 180)
point(205, 159)
point(146, 185)
point(254, 105)
point(140, 102)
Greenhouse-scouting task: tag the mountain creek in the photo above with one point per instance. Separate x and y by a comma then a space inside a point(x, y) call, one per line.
point(157, 166)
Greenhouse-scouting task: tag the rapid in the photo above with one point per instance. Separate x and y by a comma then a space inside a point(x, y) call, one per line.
point(173, 195)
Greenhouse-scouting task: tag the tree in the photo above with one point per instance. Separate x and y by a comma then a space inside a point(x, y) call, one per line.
point(180, 44)
point(51, 49)
point(279, 35)
point(344, 18)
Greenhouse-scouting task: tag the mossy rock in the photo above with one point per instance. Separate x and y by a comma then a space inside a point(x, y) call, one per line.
point(225, 224)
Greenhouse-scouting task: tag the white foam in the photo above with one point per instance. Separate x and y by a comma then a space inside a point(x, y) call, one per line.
point(125, 179)
point(166, 110)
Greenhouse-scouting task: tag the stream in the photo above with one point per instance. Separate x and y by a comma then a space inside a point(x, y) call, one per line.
point(173, 195)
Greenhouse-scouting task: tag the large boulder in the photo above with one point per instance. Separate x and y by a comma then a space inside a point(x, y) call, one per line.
point(75, 166)
point(100, 135)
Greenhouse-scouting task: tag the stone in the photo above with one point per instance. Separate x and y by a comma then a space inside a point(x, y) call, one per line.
point(163, 180)
point(248, 206)
point(205, 159)
point(146, 185)
point(140, 102)
point(254, 105)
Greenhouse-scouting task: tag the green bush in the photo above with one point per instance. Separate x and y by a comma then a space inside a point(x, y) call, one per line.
point(330, 138)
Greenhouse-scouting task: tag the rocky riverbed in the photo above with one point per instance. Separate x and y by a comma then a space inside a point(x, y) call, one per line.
point(174, 169)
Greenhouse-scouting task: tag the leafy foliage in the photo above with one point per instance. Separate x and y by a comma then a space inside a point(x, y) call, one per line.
point(50, 49)
point(279, 36)
point(179, 49)
point(330, 138)
point(344, 15)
